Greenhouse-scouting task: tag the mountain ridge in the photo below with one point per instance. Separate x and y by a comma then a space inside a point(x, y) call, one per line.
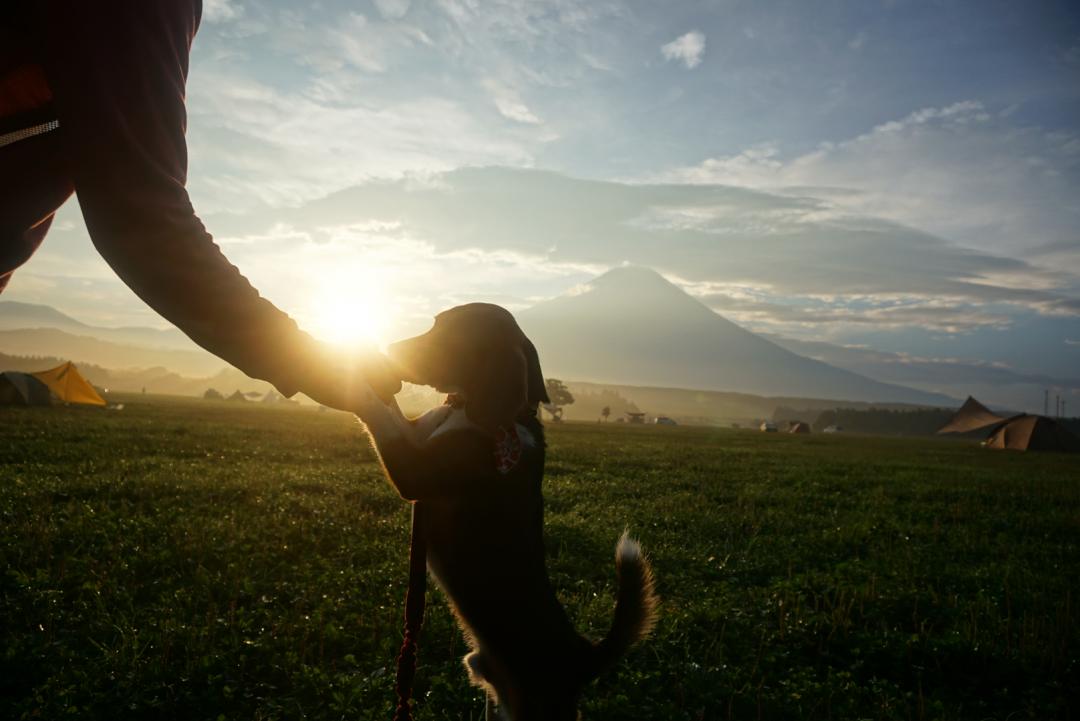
point(16, 315)
point(650, 332)
point(629, 326)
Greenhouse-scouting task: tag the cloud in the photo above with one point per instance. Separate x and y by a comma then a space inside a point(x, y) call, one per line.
point(216, 11)
point(298, 267)
point(254, 144)
point(960, 172)
point(688, 48)
point(945, 316)
point(781, 263)
point(392, 9)
point(351, 42)
point(994, 382)
point(510, 105)
point(447, 84)
point(800, 261)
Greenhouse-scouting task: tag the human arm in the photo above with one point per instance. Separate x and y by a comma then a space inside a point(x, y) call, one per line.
point(118, 73)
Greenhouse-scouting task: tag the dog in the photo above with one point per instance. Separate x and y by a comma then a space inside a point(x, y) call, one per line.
point(474, 466)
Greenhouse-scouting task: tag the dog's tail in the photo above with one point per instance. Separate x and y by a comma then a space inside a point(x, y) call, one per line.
point(635, 606)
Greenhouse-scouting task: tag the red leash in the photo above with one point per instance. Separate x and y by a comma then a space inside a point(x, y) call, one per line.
point(414, 618)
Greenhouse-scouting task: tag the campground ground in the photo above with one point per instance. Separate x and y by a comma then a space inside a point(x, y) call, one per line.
point(191, 559)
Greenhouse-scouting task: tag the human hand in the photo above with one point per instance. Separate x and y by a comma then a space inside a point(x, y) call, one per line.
point(345, 380)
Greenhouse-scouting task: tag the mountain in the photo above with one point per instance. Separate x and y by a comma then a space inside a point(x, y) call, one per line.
point(90, 349)
point(630, 326)
point(20, 316)
point(152, 380)
point(996, 384)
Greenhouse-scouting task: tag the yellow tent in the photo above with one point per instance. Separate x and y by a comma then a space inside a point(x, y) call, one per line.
point(68, 385)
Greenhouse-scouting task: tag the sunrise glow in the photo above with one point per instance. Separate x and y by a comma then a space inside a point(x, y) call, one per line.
point(350, 309)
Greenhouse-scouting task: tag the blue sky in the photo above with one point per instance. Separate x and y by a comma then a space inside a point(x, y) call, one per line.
point(902, 175)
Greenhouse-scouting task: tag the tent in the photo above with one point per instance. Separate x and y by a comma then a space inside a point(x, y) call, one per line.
point(799, 427)
point(237, 396)
point(768, 427)
point(971, 417)
point(22, 389)
point(1033, 433)
point(69, 386)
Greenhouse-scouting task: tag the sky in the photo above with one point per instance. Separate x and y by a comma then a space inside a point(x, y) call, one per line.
point(902, 176)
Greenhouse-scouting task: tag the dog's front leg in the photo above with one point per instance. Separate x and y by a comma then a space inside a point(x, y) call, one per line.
point(385, 422)
point(404, 453)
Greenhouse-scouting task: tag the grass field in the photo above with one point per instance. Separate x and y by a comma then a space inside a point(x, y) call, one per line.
point(185, 559)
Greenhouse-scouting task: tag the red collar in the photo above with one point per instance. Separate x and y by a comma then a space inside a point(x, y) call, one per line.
point(507, 448)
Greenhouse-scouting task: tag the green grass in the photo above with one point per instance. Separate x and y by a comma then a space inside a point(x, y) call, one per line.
point(184, 559)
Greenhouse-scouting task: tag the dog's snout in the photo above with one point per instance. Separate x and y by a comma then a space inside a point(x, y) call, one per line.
point(399, 355)
point(413, 360)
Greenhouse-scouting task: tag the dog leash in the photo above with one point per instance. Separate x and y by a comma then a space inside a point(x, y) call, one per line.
point(23, 133)
point(508, 449)
point(414, 617)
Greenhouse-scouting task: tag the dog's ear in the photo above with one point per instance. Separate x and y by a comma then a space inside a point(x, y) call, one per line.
point(537, 387)
point(500, 391)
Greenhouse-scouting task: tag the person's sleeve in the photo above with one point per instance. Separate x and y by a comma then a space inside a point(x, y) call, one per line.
point(118, 71)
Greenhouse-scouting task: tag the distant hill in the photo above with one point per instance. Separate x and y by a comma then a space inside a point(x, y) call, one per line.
point(630, 326)
point(154, 380)
point(20, 316)
point(702, 407)
point(998, 385)
point(93, 350)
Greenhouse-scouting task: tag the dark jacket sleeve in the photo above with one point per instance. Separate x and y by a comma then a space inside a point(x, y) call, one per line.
point(118, 71)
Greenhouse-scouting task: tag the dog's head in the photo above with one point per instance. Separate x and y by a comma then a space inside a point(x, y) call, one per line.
point(478, 351)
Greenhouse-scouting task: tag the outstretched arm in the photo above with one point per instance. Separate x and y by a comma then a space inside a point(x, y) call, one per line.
point(118, 72)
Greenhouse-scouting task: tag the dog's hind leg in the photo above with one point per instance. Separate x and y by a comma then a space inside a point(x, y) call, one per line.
point(480, 671)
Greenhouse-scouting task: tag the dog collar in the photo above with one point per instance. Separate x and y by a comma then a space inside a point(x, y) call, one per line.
point(507, 448)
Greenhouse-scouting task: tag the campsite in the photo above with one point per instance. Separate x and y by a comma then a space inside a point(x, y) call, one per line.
point(188, 558)
point(540, 360)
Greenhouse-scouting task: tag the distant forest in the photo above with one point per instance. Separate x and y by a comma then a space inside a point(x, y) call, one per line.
point(153, 380)
point(885, 422)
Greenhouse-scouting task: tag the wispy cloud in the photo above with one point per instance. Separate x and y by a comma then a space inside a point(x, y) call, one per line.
point(957, 171)
point(393, 9)
point(807, 264)
point(222, 10)
point(689, 49)
point(342, 112)
point(256, 144)
point(509, 104)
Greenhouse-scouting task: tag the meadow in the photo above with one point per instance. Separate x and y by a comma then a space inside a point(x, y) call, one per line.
point(183, 559)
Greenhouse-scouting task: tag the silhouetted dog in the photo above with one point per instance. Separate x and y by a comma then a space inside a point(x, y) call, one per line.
point(475, 467)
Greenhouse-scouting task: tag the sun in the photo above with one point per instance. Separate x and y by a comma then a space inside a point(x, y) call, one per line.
point(350, 310)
